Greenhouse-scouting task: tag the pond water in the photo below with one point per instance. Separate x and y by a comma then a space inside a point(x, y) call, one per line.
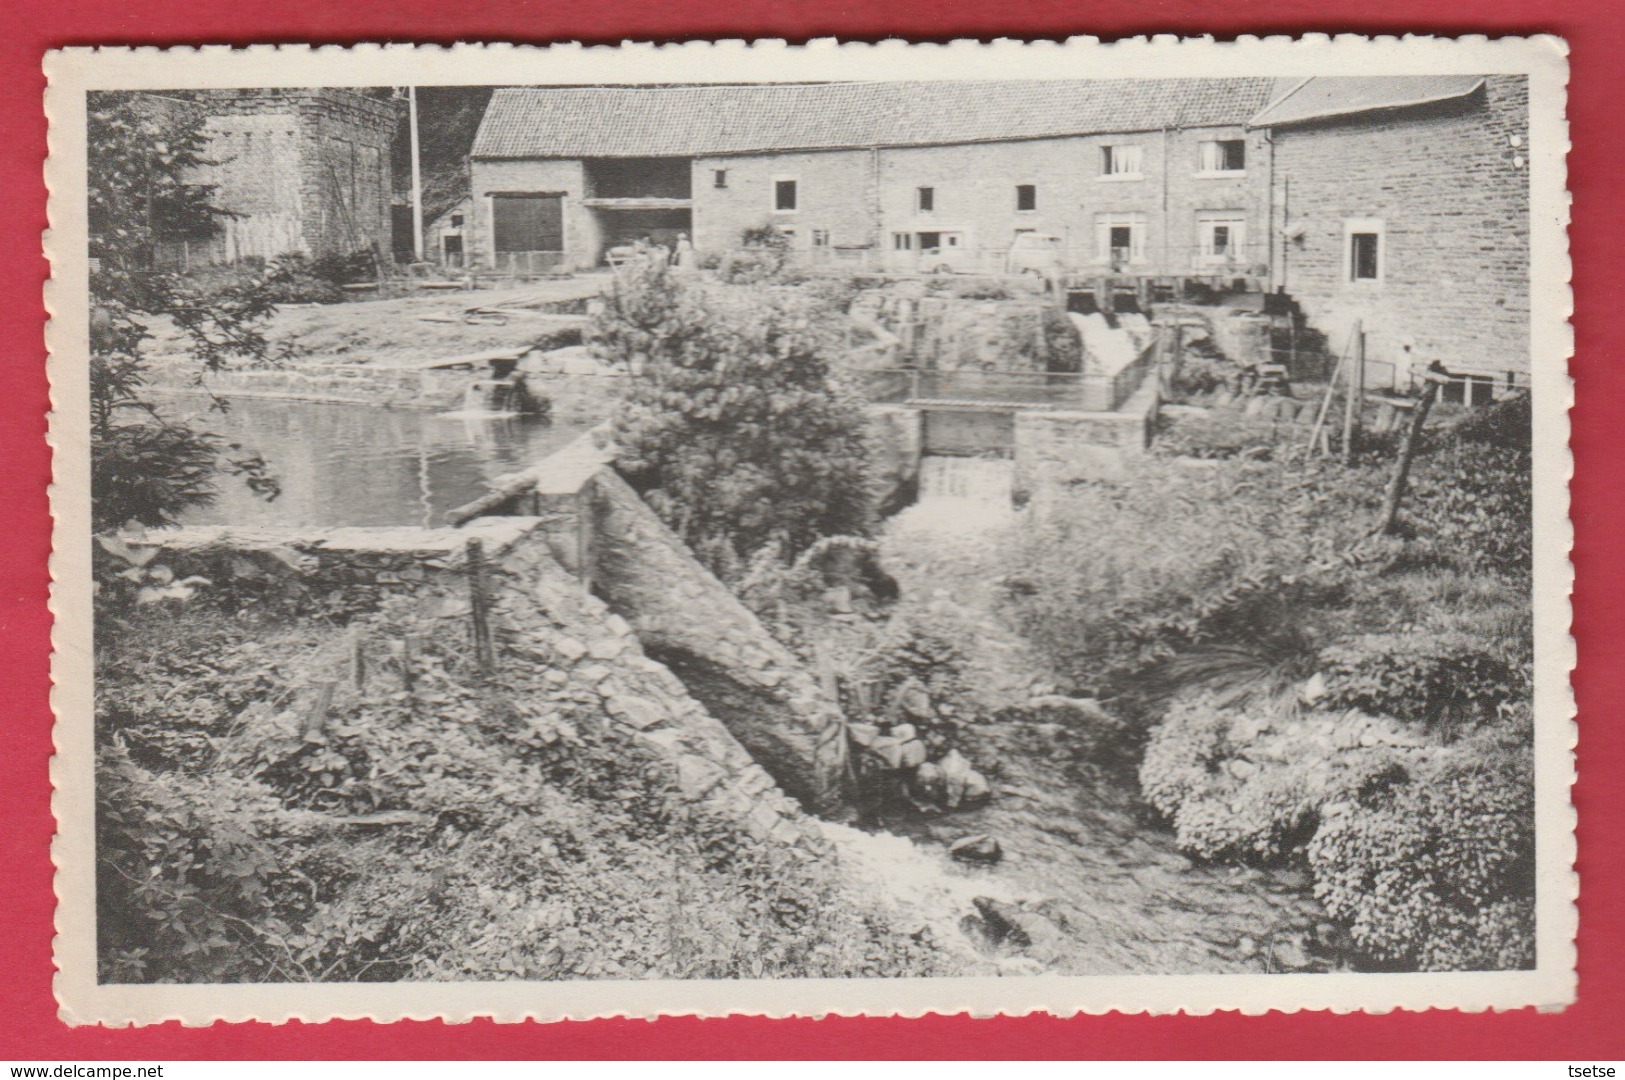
point(342, 464)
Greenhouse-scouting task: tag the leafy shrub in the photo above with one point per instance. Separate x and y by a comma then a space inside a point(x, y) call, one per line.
point(1445, 680)
point(1117, 577)
point(734, 427)
point(293, 279)
point(763, 256)
point(1436, 871)
point(466, 829)
point(1251, 781)
point(1473, 491)
point(1221, 434)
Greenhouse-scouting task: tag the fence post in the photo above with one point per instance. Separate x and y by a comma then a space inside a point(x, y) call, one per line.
point(479, 608)
point(358, 659)
point(1353, 387)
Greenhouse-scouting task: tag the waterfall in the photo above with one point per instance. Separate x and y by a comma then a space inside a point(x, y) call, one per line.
point(984, 481)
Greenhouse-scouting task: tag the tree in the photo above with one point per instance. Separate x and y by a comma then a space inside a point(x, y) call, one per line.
point(734, 426)
point(144, 153)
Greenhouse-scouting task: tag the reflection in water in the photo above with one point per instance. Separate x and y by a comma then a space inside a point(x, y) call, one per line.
point(359, 465)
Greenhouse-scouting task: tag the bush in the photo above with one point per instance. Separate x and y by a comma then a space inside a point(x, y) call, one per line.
point(1222, 434)
point(1120, 576)
point(468, 829)
point(1436, 871)
point(293, 279)
point(1251, 781)
point(734, 427)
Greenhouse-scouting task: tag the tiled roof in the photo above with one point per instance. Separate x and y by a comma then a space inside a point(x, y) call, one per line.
point(571, 122)
point(1340, 95)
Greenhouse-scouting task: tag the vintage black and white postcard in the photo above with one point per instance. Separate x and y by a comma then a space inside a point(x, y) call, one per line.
point(741, 528)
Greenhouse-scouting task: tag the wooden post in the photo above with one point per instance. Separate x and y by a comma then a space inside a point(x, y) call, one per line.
point(479, 605)
point(315, 727)
point(1317, 433)
point(358, 659)
point(1407, 450)
point(1353, 386)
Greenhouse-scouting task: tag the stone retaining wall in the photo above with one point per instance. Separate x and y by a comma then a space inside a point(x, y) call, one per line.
point(542, 616)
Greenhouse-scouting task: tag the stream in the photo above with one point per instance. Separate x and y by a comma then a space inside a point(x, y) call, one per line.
point(1090, 882)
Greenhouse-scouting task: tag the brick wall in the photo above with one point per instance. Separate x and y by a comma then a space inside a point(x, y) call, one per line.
point(581, 238)
point(1454, 207)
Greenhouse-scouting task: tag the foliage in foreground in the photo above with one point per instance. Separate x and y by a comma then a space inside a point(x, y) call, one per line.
point(146, 467)
point(1311, 692)
point(460, 831)
point(734, 427)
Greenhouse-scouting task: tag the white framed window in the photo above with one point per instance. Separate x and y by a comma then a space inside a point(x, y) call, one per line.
point(820, 238)
point(786, 194)
point(925, 200)
point(1221, 237)
point(1026, 198)
point(719, 178)
point(1120, 238)
point(1222, 157)
point(1121, 161)
point(1365, 251)
point(902, 241)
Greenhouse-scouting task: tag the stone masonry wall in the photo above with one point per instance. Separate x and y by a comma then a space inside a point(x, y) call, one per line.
point(599, 529)
point(1454, 202)
point(1054, 449)
point(542, 616)
point(581, 235)
point(975, 189)
point(835, 191)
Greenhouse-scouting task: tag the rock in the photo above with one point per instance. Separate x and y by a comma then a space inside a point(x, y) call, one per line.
point(1242, 769)
point(594, 673)
point(697, 775)
point(606, 648)
point(903, 732)
point(839, 599)
point(569, 648)
point(862, 734)
point(1247, 947)
point(1292, 879)
point(1290, 955)
point(913, 700)
point(980, 848)
point(635, 711)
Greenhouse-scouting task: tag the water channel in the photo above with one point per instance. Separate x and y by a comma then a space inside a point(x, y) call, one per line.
point(347, 464)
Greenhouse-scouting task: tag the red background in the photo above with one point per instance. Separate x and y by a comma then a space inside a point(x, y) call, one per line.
point(1592, 1029)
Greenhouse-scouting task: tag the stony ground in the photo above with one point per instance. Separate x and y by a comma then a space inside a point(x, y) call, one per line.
point(433, 324)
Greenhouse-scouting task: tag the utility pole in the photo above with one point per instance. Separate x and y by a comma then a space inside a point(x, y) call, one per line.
point(417, 177)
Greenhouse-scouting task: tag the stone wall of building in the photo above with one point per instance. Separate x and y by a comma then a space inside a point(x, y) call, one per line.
point(835, 193)
point(305, 169)
point(590, 656)
point(974, 188)
point(582, 241)
point(1451, 193)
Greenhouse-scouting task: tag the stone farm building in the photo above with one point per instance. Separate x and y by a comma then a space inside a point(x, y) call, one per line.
point(298, 169)
point(1404, 205)
point(1157, 176)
